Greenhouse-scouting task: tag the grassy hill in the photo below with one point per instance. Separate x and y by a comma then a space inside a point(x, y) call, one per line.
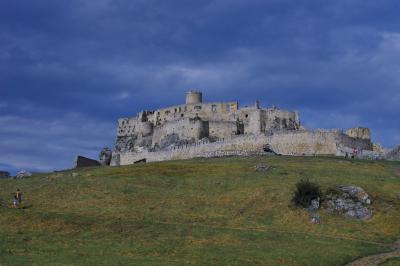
point(205, 211)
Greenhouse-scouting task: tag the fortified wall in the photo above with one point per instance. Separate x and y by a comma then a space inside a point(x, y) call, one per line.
point(197, 129)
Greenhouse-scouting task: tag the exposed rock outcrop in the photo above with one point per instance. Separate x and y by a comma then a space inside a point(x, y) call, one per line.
point(105, 156)
point(315, 218)
point(314, 205)
point(351, 201)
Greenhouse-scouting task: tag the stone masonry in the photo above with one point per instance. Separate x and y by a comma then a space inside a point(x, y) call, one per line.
point(199, 129)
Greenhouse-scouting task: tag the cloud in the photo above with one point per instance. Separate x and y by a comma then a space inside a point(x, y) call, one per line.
point(44, 145)
point(74, 67)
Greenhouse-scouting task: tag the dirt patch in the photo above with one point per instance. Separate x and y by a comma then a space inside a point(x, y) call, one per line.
point(378, 258)
point(397, 171)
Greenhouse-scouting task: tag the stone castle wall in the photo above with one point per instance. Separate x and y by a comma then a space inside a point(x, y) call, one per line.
point(285, 143)
point(359, 132)
point(304, 143)
point(185, 128)
point(222, 129)
point(174, 133)
point(207, 111)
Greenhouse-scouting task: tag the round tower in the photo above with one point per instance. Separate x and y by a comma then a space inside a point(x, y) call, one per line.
point(194, 97)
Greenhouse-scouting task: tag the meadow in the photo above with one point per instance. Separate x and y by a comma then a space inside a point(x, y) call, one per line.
point(218, 211)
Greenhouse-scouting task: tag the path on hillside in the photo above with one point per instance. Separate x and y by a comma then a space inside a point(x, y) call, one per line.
point(377, 259)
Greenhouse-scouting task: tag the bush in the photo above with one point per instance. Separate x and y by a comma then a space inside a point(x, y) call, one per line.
point(305, 192)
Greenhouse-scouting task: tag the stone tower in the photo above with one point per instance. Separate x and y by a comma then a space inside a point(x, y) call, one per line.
point(193, 97)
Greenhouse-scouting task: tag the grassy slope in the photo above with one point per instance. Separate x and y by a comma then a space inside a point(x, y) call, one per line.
point(208, 211)
point(392, 262)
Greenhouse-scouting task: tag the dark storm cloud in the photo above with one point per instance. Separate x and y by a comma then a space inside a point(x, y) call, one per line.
point(68, 69)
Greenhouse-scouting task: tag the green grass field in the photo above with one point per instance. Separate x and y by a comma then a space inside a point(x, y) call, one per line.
point(203, 212)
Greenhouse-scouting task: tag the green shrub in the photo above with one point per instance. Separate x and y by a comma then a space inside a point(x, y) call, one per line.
point(305, 192)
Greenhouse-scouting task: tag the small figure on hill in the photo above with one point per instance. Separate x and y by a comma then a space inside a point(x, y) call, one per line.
point(17, 199)
point(15, 202)
point(18, 194)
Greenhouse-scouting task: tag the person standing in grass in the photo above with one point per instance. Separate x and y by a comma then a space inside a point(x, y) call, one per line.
point(19, 196)
point(15, 201)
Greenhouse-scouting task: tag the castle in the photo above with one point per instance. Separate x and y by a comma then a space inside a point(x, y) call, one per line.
point(200, 129)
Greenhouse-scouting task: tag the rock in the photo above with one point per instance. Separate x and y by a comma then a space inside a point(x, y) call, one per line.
point(4, 174)
point(115, 159)
point(351, 201)
point(81, 161)
point(22, 174)
point(314, 205)
point(105, 156)
point(357, 192)
point(261, 168)
point(359, 212)
point(315, 219)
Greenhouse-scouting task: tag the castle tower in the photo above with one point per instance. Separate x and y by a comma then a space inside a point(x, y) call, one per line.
point(194, 97)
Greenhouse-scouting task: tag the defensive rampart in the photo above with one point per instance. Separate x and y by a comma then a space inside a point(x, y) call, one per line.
point(285, 143)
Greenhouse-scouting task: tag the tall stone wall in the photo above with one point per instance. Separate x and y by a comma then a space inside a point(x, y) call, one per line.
point(355, 143)
point(263, 120)
point(304, 143)
point(276, 119)
point(359, 132)
point(285, 143)
point(131, 126)
point(185, 128)
point(126, 126)
point(206, 111)
point(222, 129)
point(253, 125)
point(394, 154)
point(237, 146)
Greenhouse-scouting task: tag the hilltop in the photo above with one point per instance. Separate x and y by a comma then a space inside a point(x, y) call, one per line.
point(205, 211)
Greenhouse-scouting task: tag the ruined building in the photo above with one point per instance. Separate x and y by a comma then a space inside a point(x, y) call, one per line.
point(201, 129)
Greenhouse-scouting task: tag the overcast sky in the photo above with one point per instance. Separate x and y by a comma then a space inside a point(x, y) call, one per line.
point(69, 69)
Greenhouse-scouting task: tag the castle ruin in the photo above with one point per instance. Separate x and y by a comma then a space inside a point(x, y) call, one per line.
point(201, 129)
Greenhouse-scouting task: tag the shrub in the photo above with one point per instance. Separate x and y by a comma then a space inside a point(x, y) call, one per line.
point(305, 192)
